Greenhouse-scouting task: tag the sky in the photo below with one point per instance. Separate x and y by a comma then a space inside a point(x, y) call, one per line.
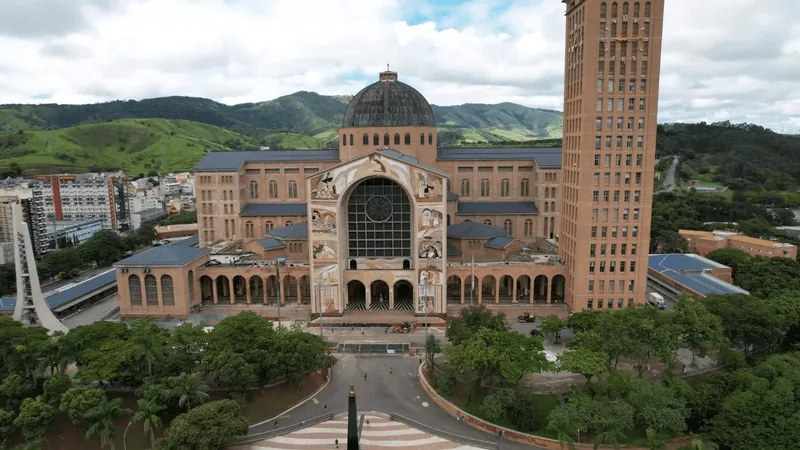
point(736, 60)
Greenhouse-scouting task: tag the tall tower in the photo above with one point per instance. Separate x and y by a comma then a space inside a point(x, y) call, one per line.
point(612, 65)
point(31, 308)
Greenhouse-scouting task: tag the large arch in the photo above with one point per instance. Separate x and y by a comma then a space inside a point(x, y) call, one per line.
point(403, 296)
point(206, 290)
point(454, 289)
point(305, 290)
point(558, 288)
point(523, 289)
point(239, 289)
point(223, 289)
point(356, 296)
point(488, 288)
point(540, 289)
point(289, 287)
point(272, 291)
point(135, 290)
point(506, 287)
point(256, 289)
point(379, 295)
point(471, 289)
point(379, 219)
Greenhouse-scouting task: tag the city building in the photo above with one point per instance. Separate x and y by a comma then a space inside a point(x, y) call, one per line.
point(391, 221)
point(68, 233)
point(86, 196)
point(705, 242)
point(675, 273)
point(17, 190)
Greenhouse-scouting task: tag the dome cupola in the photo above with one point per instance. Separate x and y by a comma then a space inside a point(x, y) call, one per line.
point(388, 103)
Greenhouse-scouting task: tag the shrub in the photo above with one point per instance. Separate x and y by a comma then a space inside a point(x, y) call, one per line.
point(522, 413)
point(494, 406)
point(445, 382)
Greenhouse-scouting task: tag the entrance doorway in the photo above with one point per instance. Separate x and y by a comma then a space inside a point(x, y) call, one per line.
point(379, 293)
point(356, 296)
point(403, 296)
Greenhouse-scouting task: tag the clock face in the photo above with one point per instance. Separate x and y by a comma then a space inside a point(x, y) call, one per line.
point(378, 208)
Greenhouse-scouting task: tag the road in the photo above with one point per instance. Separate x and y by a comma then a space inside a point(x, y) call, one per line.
point(669, 178)
point(93, 313)
point(397, 392)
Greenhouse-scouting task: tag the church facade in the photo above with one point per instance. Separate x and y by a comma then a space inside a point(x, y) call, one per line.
point(390, 221)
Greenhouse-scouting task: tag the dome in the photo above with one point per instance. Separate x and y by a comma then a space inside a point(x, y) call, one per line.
point(388, 103)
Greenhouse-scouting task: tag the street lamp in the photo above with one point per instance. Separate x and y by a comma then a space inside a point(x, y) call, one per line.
point(319, 296)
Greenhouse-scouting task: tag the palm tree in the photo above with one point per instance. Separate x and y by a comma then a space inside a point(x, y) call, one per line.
point(101, 422)
point(191, 390)
point(565, 431)
point(148, 415)
point(150, 340)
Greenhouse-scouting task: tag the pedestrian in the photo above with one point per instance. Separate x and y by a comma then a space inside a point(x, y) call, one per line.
point(337, 443)
point(276, 423)
point(325, 407)
point(367, 423)
point(365, 376)
point(390, 369)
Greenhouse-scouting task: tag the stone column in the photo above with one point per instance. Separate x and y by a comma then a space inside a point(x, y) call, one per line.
point(514, 290)
point(391, 297)
point(214, 295)
point(530, 291)
point(463, 288)
point(282, 293)
point(549, 290)
point(497, 290)
point(264, 289)
point(299, 292)
point(231, 293)
point(367, 296)
point(247, 290)
point(480, 290)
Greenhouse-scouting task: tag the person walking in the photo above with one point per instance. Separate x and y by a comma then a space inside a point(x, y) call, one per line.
point(365, 376)
point(390, 369)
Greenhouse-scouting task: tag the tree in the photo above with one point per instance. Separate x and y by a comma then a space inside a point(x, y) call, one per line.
point(583, 361)
point(100, 420)
point(148, 414)
point(657, 407)
point(150, 340)
point(654, 440)
point(79, 400)
point(552, 326)
point(698, 329)
point(34, 417)
point(432, 347)
point(184, 350)
point(566, 425)
point(610, 420)
point(207, 427)
point(250, 336)
point(55, 386)
point(296, 354)
point(190, 390)
point(7, 417)
point(747, 321)
point(669, 242)
point(472, 319)
point(104, 247)
point(232, 370)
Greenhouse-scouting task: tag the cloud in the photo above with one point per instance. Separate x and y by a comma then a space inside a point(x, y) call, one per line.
point(733, 60)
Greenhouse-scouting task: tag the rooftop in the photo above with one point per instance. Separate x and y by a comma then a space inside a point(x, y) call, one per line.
point(760, 242)
point(544, 157)
point(411, 160)
point(388, 103)
point(691, 272)
point(290, 232)
point(232, 160)
point(69, 294)
point(500, 242)
point(269, 243)
point(493, 208)
point(165, 255)
point(62, 225)
point(469, 229)
point(274, 209)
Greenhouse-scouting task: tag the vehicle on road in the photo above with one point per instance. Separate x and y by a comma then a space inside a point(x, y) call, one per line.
point(526, 318)
point(657, 300)
point(536, 332)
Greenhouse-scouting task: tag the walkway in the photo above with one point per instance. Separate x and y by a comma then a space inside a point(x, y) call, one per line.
point(398, 392)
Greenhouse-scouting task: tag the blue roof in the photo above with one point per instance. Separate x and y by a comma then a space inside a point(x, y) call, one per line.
point(232, 160)
point(494, 208)
point(691, 272)
point(500, 242)
point(71, 293)
point(544, 157)
point(452, 196)
point(452, 250)
point(165, 255)
point(470, 229)
point(269, 243)
point(411, 160)
point(191, 241)
point(274, 209)
point(294, 231)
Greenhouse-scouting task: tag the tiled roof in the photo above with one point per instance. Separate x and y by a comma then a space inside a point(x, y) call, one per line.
point(165, 255)
point(470, 229)
point(690, 271)
point(500, 242)
point(71, 293)
point(452, 250)
point(191, 241)
point(232, 160)
point(274, 209)
point(544, 157)
point(294, 231)
point(492, 208)
point(411, 160)
point(269, 243)
point(452, 196)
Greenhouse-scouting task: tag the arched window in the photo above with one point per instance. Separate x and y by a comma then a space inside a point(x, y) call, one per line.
point(397, 139)
point(528, 227)
point(647, 7)
point(190, 283)
point(485, 191)
point(487, 222)
point(353, 264)
point(553, 192)
point(603, 7)
point(288, 222)
point(365, 141)
point(614, 10)
point(546, 206)
point(635, 11)
point(292, 189)
point(167, 291)
point(224, 195)
point(552, 206)
point(430, 139)
point(407, 139)
point(344, 139)
point(524, 187)
point(273, 189)
point(505, 188)
point(268, 227)
point(351, 139)
point(465, 187)
point(546, 192)
point(248, 229)
point(135, 289)
point(253, 189)
point(376, 140)
point(509, 227)
point(625, 9)
point(422, 138)
point(151, 290)
point(385, 139)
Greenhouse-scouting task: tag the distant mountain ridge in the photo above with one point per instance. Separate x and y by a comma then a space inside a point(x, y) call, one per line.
point(302, 112)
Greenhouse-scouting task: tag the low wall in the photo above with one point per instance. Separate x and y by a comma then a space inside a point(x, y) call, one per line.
point(443, 434)
point(284, 430)
point(508, 433)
